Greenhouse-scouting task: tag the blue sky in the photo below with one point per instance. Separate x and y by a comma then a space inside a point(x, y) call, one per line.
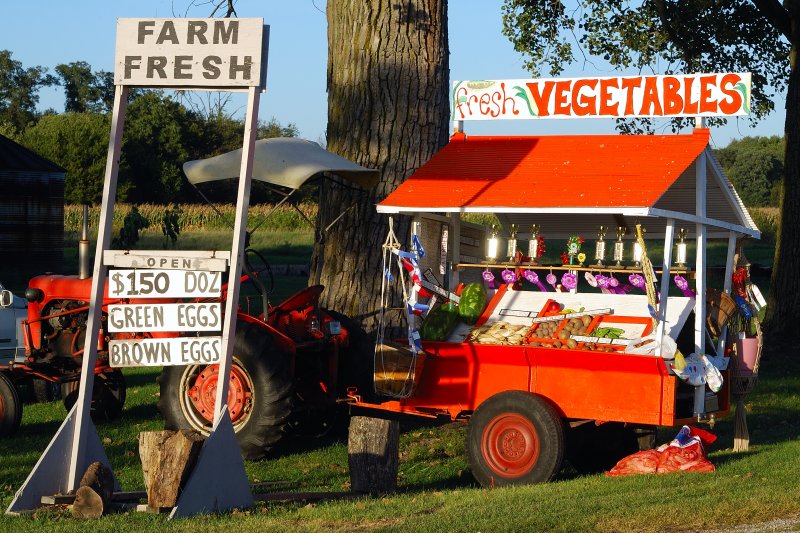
point(49, 32)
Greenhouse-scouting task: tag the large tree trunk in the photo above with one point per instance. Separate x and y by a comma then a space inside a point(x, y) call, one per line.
point(783, 311)
point(387, 109)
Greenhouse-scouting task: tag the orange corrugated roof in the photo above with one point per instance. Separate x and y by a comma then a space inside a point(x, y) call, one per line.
point(558, 171)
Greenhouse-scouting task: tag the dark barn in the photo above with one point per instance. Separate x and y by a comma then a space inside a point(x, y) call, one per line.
point(31, 211)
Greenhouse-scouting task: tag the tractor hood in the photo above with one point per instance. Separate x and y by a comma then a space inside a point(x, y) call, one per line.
point(283, 161)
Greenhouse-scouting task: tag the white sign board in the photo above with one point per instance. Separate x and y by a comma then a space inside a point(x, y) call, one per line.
point(165, 352)
point(216, 261)
point(182, 52)
point(150, 283)
point(689, 95)
point(164, 317)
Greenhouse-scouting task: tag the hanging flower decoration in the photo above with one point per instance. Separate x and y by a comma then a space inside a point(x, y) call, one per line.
point(613, 282)
point(542, 248)
point(569, 281)
point(740, 282)
point(590, 279)
point(683, 285)
point(533, 277)
point(637, 280)
point(573, 248)
point(551, 279)
point(488, 277)
point(508, 276)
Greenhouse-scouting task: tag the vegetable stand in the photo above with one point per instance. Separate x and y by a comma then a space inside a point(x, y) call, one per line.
point(531, 383)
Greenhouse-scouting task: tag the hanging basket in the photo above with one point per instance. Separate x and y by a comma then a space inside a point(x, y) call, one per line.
point(397, 369)
point(720, 308)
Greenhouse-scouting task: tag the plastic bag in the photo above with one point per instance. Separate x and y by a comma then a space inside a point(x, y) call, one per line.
point(648, 345)
point(699, 370)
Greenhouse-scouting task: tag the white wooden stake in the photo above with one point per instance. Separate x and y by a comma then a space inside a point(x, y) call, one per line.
point(700, 275)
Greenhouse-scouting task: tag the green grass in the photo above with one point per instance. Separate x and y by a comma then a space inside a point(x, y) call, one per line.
point(437, 491)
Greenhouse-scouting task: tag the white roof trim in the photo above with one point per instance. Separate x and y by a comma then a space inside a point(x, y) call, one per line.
point(625, 211)
point(730, 193)
point(663, 213)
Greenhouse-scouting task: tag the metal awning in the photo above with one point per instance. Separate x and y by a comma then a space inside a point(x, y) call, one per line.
point(283, 161)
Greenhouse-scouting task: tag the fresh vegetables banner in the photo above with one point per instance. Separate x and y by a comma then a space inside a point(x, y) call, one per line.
point(621, 96)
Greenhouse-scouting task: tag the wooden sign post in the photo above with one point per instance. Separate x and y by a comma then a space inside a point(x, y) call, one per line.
point(205, 54)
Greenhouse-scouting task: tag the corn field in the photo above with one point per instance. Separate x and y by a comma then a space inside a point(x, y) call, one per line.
point(198, 216)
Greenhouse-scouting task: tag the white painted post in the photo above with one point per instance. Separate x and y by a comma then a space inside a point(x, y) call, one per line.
point(700, 274)
point(455, 249)
point(729, 266)
point(237, 251)
point(665, 275)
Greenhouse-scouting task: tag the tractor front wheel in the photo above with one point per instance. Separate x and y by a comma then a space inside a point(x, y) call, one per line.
point(10, 407)
point(259, 400)
point(515, 438)
point(108, 395)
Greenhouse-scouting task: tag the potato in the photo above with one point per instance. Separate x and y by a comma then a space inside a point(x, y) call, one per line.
point(564, 335)
point(557, 344)
point(571, 344)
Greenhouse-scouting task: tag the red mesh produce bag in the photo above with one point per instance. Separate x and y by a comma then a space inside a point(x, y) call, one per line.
point(684, 454)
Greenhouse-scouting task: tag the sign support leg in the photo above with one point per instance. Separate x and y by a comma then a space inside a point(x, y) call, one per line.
point(76, 445)
point(219, 481)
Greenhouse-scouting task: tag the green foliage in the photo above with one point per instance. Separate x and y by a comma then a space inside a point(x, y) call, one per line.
point(78, 142)
point(200, 216)
point(129, 233)
point(85, 91)
point(170, 226)
point(670, 35)
point(768, 221)
point(19, 91)
point(755, 167)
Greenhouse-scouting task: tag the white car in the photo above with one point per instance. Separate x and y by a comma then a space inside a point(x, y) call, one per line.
point(13, 310)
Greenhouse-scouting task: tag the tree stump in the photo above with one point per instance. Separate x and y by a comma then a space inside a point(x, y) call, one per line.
point(94, 492)
point(167, 460)
point(372, 449)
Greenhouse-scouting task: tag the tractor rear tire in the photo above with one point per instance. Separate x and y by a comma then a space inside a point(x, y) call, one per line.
point(260, 394)
point(108, 395)
point(515, 438)
point(10, 407)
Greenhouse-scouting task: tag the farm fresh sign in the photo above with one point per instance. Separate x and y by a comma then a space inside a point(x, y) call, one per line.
point(623, 96)
point(190, 52)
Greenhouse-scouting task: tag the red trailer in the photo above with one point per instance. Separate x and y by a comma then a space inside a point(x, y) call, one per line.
point(532, 403)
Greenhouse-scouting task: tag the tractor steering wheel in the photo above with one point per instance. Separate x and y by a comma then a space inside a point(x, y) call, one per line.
point(256, 267)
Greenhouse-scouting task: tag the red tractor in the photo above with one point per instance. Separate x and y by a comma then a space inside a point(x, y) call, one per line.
point(290, 361)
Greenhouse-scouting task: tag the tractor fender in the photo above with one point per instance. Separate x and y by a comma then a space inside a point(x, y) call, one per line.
point(282, 342)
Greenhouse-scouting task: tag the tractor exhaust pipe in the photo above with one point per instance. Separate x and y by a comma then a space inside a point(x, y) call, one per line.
point(84, 267)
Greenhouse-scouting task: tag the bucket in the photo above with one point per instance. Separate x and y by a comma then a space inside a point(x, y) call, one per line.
point(747, 349)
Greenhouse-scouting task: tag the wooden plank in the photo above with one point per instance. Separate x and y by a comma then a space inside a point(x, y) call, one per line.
point(67, 499)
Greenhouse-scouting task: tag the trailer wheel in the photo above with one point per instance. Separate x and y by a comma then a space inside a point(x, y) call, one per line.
point(10, 407)
point(515, 438)
point(108, 395)
point(259, 394)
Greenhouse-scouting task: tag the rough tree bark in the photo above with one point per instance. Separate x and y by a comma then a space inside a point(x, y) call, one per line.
point(387, 109)
point(783, 311)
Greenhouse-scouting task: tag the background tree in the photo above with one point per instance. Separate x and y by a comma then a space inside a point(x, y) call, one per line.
point(387, 109)
point(759, 36)
point(755, 167)
point(78, 142)
point(19, 91)
point(86, 91)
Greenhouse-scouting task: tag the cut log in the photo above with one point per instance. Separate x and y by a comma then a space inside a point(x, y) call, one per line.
point(95, 492)
point(372, 450)
point(167, 460)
